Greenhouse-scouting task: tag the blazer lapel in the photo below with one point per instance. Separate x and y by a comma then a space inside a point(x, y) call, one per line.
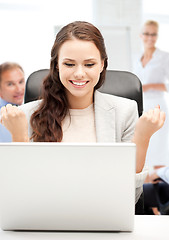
point(104, 119)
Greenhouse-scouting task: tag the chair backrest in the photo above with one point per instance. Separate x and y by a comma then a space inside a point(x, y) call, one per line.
point(120, 83)
point(34, 85)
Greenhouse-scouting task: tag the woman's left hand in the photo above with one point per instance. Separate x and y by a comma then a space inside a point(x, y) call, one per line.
point(149, 123)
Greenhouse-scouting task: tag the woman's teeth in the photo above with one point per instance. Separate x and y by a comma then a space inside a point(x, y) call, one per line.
point(79, 83)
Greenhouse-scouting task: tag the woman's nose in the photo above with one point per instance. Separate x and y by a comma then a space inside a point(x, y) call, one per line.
point(79, 72)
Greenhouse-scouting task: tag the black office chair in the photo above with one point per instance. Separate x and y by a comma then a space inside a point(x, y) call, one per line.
point(34, 85)
point(124, 84)
point(119, 83)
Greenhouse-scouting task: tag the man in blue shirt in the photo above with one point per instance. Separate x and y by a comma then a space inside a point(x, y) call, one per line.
point(12, 89)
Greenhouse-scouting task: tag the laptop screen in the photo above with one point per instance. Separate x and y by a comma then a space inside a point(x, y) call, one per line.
point(58, 186)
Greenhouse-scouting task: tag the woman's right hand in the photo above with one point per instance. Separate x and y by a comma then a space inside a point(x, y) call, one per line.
point(15, 121)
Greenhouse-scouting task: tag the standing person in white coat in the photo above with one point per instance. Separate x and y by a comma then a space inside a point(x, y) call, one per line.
point(152, 68)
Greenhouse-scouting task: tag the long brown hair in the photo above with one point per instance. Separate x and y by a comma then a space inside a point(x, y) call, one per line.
point(46, 121)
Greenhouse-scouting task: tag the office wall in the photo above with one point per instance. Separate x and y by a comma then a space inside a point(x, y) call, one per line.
point(126, 14)
point(27, 27)
point(118, 46)
point(26, 37)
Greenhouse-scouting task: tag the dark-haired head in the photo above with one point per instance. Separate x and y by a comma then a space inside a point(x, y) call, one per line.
point(82, 31)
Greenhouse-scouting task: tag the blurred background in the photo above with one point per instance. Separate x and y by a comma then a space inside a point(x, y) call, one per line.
point(28, 28)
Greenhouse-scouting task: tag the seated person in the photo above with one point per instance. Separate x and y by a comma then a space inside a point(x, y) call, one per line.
point(72, 110)
point(160, 174)
point(12, 88)
point(156, 193)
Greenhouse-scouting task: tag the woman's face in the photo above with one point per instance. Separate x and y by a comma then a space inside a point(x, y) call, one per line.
point(149, 36)
point(80, 65)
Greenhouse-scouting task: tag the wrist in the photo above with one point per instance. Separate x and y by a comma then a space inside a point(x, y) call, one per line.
point(139, 141)
point(20, 138)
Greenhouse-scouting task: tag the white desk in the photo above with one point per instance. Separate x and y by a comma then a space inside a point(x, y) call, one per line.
point(146, 228)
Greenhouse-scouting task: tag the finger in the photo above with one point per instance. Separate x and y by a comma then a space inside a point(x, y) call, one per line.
point(3, 114)
point(158, 106)
point(10, 107)
point(3, 110)
point(156, 114)
point(159, 117)
point(156, 110)
point(150, 114)
point(162, 117)
point(150, 111)
point(11, 110)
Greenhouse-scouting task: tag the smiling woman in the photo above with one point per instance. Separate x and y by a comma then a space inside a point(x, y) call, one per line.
point(72, 110)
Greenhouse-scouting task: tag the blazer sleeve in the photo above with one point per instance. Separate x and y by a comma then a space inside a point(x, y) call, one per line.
point(131, 117)
point(139, 181)
point(128, 132)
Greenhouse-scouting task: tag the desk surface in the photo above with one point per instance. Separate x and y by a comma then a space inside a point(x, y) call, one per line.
point(146, 228)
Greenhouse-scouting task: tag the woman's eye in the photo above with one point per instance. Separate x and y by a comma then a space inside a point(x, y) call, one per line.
point(89, 64)
point(69, 64)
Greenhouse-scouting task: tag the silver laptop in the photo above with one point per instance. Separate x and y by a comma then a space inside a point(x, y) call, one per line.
point(67, 187)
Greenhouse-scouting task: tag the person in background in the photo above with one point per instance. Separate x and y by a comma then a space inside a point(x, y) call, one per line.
point(160, 174)
point(156, 193)
point(12, 89)
point(72, 110)
point(152, 68)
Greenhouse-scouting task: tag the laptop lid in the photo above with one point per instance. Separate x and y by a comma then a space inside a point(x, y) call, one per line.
point(67, 187)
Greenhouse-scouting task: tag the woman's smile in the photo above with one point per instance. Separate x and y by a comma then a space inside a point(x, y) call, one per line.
point(78, 84)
